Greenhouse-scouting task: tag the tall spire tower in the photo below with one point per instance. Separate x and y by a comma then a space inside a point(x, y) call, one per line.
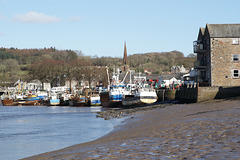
point(125, 54)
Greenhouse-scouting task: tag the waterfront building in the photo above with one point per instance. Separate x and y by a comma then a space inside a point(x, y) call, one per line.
point(218, 55)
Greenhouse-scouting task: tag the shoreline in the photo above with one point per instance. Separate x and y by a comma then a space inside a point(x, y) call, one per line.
point(208, 130)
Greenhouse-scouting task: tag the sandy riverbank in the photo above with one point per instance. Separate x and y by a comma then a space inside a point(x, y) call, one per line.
point(207, 130)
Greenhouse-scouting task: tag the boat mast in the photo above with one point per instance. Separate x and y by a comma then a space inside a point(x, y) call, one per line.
point(130, 81)
point(117, 78)
point(108, 78)
point(125, 76)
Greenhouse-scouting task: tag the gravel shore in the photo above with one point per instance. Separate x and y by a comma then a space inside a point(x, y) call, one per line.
point(198, 131)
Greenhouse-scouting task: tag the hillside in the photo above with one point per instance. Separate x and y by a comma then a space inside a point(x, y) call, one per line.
point(160, 62)
point(49, 63)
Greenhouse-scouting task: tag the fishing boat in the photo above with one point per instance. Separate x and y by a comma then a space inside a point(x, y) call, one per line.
point(77, 101)
point(113, 97)
point(139, 93)
point(95, 100)
point(92, 97)
point(9, 102)
point(54, 101)
point(141, 97)
point(31, 100)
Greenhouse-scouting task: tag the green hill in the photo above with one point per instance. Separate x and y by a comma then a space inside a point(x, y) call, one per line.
point(30, 64)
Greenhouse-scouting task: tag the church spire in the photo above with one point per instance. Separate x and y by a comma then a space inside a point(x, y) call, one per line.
point(125, 54)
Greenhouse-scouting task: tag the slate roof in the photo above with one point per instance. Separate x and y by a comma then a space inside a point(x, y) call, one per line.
point(224, 30)
point(202, 30)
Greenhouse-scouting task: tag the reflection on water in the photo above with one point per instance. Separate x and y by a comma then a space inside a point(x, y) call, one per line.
point(27, 131)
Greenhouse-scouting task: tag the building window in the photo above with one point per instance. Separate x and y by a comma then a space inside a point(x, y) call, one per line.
point(235, 41)
point(235, 73)
point(235, 57)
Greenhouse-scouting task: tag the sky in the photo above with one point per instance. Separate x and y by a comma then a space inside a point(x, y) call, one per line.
point(101, 27)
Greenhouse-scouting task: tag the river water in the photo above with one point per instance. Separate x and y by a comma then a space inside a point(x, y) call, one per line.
point(29, 130)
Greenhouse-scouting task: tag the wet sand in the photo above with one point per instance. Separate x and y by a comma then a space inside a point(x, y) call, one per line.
point(209, 130)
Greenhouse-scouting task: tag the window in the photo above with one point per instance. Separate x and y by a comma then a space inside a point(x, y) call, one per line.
point(235, 41)
point(235, 57)
point(235, 73)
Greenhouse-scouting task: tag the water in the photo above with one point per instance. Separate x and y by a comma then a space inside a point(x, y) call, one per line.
point(31, 130)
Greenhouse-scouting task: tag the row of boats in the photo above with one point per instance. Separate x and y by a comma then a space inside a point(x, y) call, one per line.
point(52, 99)
point(117, 94)
point(131, 94)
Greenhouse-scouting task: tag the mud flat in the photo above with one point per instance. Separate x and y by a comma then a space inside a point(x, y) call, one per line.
point(199, 131)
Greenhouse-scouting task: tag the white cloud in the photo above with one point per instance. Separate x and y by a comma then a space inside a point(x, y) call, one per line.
point(75, 18)
point(34, 17)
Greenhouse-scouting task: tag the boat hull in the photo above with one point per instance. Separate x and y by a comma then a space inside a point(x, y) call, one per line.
point(136, 101)
point(77, 102)
point(95, 101)
point(131, 101)
point(9, 102)
point(54, 102)
point(141, 98)
point(31, 103)
point(112, 104)
point(109, 103)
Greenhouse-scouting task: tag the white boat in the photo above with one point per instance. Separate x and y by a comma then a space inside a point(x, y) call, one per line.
point(140, 93)
point(140, 97)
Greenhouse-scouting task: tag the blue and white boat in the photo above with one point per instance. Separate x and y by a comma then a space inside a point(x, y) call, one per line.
point(113, 97)
point(54, 101)
point(95, 100)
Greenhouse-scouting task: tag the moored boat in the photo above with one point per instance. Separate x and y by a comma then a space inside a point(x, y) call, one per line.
point(113, 97)
point(9, 102)
point(95, 100)
point(139, 93)
point(54, 101)
point(141, 97)
point(77, 101)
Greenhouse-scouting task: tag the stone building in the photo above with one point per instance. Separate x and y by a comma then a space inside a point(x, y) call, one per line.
point(218, 55)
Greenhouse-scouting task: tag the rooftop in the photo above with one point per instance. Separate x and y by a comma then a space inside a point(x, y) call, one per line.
point(224, 30)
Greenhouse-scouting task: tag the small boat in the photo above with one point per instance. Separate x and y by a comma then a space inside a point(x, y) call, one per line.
point(95, 100)
point(54, 101)
point(92, 97)
point(77, 101)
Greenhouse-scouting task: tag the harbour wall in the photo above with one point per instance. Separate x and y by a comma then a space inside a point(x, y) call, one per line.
point(193, 93)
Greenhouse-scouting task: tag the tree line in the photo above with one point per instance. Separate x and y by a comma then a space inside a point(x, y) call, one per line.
point(50, 65)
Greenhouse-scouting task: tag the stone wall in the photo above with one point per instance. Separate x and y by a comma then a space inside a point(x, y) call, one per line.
point(222, 64)
point(206, 93)
point(194, 93)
